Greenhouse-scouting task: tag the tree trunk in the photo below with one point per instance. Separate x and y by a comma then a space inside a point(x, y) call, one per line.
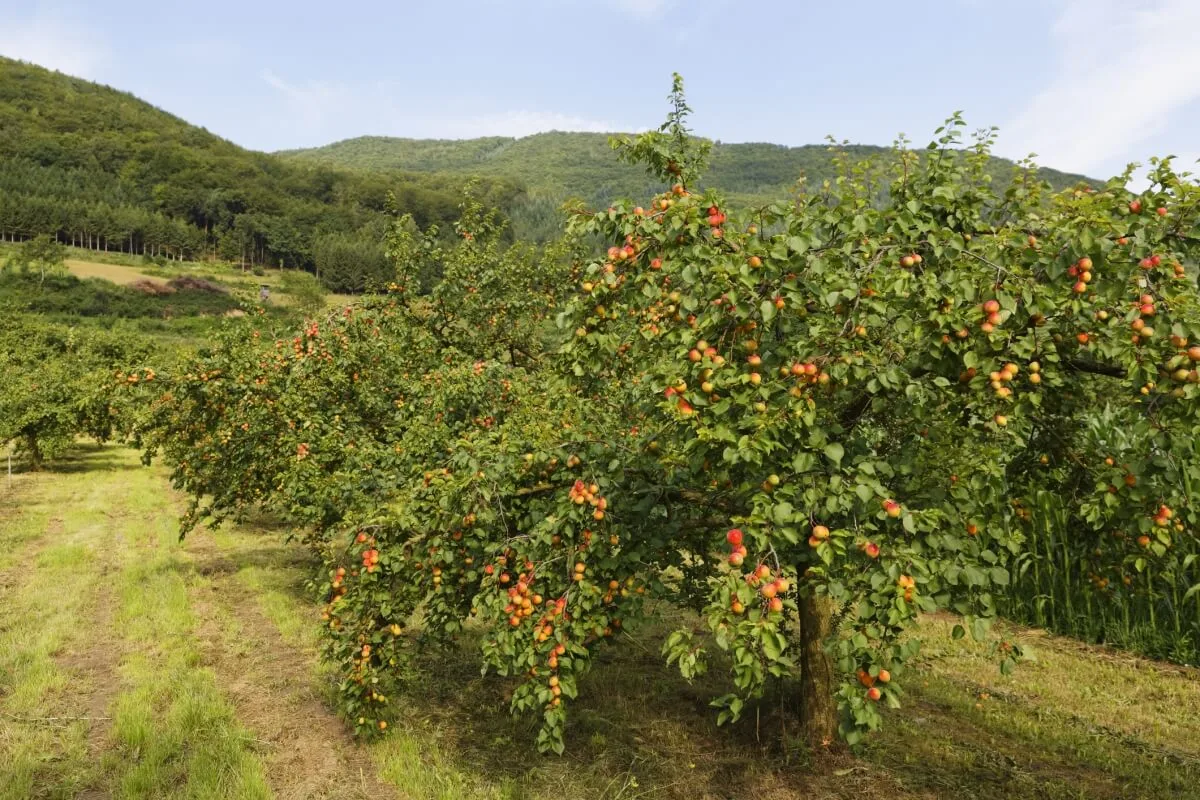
point(818, 711)
point(35, 452)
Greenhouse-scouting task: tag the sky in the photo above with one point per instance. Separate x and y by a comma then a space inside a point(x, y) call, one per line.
point(1088, 85)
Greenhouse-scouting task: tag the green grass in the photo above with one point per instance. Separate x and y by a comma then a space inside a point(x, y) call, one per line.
point(95, 534)
point(216, 690)
point(45, 552)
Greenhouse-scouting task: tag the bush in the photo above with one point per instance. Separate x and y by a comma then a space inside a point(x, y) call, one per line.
point(56, 383)
point(306, 291)
point(67, 295)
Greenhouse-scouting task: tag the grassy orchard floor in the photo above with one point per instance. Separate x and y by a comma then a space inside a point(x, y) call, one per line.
point(135, 666)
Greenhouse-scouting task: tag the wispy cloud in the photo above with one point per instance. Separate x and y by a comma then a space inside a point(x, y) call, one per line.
point(523, 123)
point(325, 110)
point(642, 9)
point(314, 98)
point(55, 42)
point(1124, 67)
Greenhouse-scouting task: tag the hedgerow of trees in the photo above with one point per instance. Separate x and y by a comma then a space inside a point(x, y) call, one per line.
point(808, 423)
point(56, 383)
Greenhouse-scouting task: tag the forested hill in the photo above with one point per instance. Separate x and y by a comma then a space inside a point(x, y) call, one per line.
point(583, 165)
point(101, 168)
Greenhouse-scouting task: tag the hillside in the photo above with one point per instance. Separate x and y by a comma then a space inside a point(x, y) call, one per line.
point(561, 164)
point(100, 168)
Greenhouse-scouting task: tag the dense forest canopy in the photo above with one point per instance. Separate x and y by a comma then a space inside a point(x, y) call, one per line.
point(102, 169)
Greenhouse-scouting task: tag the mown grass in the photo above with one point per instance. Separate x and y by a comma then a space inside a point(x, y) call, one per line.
point(176, 735)
point(45, 594)
point(98, 531)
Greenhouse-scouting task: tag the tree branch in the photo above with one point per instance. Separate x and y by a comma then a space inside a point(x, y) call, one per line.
point(1095, 367)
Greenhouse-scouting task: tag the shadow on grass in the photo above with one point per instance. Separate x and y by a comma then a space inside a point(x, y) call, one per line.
point(636, 723)
point(85, 457)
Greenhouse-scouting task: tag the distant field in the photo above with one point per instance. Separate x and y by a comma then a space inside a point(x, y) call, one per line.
point(134, 665)
point(117, 273)
point(124, 274)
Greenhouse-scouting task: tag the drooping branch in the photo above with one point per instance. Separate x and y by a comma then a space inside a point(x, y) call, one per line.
point(1095, 367)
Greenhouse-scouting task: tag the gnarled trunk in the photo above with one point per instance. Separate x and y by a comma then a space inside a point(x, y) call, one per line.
point(818, 711)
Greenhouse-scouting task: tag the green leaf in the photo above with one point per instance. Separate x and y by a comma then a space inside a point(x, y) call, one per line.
point(834, 452)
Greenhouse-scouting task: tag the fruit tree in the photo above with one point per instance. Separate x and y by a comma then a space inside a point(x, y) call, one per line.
point(808, 422)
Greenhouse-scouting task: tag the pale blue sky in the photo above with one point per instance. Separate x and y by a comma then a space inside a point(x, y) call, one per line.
point(1088, 84)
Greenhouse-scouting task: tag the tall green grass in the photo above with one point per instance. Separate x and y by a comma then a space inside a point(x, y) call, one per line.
point(1062, 584)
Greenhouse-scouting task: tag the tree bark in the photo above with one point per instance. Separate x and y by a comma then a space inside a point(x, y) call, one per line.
point(818, 711)
point(34, 452)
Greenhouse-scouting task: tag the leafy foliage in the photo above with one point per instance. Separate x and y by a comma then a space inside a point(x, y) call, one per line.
point(351, 264)
point(40, 254)
point(55, 383)
point(305, 290)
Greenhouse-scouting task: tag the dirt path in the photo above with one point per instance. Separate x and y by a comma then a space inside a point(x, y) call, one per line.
point(309, 753)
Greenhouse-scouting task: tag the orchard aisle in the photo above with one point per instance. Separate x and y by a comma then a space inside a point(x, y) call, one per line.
point(132, 666)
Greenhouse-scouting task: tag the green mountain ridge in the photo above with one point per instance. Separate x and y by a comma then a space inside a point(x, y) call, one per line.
point(100, 168)
point(560, 164)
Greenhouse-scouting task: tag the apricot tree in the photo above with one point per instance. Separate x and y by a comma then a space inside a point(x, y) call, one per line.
point(808, 422)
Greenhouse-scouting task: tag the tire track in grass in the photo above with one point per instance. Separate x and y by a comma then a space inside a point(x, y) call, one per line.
point(174, 734)
point(309, 753)
point(98, 682)
point(52, 606)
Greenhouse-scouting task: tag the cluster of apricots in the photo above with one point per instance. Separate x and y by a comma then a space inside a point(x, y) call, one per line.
point(769, 585)
point(868, 680)
point(819, 535)
point(1181, 367)
point(1163, 517)
point(1081, 271)
point(999, 379)
point(991, 315)
point(370, 559)
point(582, 493)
